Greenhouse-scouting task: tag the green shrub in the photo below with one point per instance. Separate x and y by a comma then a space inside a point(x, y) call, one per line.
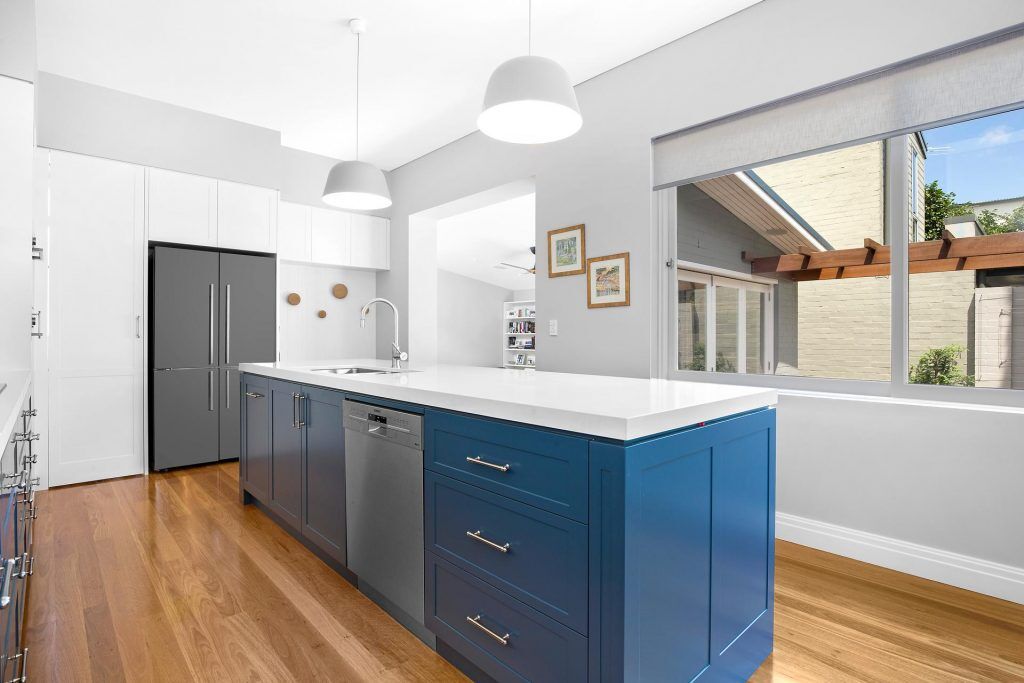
point(699, 362)
point(941, 366)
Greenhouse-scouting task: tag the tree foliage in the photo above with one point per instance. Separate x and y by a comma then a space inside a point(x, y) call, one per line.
point(938, 206)
point(995, 223)
point(941, 366)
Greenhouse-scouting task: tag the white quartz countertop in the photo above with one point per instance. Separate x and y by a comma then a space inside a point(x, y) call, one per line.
point(620, 408)
point(11, 400)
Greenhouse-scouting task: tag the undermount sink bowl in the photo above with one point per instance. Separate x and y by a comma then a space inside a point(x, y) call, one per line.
point(351, 370)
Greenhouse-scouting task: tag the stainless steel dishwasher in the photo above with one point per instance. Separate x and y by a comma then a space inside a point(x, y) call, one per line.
point(384, 507)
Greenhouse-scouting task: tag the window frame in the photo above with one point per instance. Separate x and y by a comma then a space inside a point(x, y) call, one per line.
point(897, 212)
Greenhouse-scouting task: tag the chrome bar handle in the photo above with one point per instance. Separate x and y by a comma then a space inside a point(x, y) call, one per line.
point(5, 586)
point(26, 566)
point(295, 410)
point(477, 460)
point(138, 327)
point(300, 423)
point(253, 394)
point(501, 639)
point(476, 536)
point(227, 326)
point(227, 394)
point(213, 330)
point(209, 381)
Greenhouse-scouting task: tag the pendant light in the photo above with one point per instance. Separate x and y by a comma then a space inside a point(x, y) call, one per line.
point(356, 184)
point(530, 99)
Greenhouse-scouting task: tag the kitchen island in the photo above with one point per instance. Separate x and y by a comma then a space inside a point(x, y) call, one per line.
point(560, 527)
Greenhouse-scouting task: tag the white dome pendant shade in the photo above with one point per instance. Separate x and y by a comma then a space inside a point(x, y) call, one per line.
point(356, 184)
point(530, 100)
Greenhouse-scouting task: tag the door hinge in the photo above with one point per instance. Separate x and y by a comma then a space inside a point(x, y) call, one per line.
point(37, 251)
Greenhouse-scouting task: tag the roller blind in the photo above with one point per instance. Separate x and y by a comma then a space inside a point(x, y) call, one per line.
point(979, 77)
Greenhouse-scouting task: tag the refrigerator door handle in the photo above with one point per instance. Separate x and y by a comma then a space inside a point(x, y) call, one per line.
point(210, 383)
point(227, 327)
point(213, 331)
point(227, 388)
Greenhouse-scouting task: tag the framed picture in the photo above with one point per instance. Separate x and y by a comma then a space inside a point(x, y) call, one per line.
point(567, 251)
point(608, 281)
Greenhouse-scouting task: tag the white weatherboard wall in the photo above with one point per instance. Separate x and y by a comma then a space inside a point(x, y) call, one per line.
point(469, 318)
point(602, 177)
point(304, 336)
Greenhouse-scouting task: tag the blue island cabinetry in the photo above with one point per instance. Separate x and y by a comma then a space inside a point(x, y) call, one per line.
point(553, 556)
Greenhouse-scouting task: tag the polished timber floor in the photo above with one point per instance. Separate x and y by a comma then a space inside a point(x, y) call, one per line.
point(169, 578)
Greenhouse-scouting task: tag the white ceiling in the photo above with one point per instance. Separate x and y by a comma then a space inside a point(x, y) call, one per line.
point(289, 65)
point(472, 243)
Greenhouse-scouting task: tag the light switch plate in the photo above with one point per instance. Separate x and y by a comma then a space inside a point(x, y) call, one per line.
point(552, 328)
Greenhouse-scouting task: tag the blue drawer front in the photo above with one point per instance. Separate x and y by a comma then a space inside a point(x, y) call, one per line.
point(544, 469)
point(539, 649)
point(546, 562)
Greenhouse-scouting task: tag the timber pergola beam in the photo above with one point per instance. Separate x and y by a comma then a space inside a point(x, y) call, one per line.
point(873, 259)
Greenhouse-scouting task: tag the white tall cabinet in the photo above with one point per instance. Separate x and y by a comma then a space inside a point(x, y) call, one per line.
point(309, 234)
point(96, 254)
point(182, 208)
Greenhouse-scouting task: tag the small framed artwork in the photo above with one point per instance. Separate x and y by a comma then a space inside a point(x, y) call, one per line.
point(567, 251)
point(608, 281)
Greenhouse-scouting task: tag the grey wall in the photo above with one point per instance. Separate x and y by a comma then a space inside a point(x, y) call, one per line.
point(18, 39)
point(469, 320)
point(602, 175)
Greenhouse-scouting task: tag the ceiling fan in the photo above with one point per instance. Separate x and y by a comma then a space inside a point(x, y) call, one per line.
point(526, 271)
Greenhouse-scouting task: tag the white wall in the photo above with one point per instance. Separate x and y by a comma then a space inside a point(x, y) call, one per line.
point(18, 39)
point(304, 336)
point(469, 320)
point(602, 177)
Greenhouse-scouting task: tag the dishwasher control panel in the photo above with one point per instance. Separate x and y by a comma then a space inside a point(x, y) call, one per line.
point(384, 423)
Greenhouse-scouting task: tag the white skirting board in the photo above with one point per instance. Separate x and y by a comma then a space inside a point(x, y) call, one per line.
point(974, 574)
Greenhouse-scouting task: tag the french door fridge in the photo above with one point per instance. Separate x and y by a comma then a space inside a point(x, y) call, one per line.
point(210, 311)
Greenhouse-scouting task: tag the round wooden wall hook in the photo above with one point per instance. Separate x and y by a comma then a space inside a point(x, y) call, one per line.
point(294, 299)
point(321, 314)
point(339, 291)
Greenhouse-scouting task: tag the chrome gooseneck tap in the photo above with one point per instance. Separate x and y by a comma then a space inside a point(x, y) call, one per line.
point(397, 354)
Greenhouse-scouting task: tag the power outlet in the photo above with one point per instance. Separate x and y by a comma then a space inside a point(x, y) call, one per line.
point(552, 328)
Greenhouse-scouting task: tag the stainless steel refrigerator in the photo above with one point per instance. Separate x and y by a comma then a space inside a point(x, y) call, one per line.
point(209, 312)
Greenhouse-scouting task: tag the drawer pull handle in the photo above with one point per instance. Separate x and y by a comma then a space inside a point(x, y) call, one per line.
point(253, 394)
point(476, 536)
point(501, 639)
point(5, 587)
point(476, 460)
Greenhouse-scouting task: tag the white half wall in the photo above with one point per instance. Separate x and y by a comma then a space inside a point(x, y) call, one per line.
point(926, 488)
point(306, 338)
point(469, 320)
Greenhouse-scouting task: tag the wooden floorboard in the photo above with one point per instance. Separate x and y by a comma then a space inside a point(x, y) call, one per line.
point(169, 578)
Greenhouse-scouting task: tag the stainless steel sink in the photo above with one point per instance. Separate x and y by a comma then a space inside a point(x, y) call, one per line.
point(351, 370)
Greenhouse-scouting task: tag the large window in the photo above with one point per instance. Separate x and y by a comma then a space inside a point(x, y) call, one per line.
point(787, 268)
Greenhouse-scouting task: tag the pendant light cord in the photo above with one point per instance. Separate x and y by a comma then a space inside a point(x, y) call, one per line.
point(529, 27)
point(358, 46)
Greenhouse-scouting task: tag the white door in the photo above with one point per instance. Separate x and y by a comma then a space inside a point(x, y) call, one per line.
point(330, 237)
point(293, 236)
point(182, 208)
point(96, 255)
point(369, 242)
point(246, 217)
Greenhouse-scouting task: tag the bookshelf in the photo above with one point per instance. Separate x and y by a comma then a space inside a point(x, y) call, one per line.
point(519, 334)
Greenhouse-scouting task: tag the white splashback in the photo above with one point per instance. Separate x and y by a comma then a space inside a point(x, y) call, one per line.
point(304, 336)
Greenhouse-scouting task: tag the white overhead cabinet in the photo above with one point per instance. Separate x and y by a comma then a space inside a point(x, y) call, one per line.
point(194, 210)
point(246, 217)
point(96, 254)
point(311, 235)
point(182, 208)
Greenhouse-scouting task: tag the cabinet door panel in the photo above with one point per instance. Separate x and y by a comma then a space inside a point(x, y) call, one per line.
point(255, 458)
point(293, 231)
point(323, 506)
point(369, 242)
point(330, 237)
point(96, 258)
point(182, 208)
point(246, 217)
point(285, 452)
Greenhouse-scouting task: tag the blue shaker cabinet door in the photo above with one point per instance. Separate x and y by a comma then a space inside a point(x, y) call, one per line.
point(254, 460)
point(323, 473)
